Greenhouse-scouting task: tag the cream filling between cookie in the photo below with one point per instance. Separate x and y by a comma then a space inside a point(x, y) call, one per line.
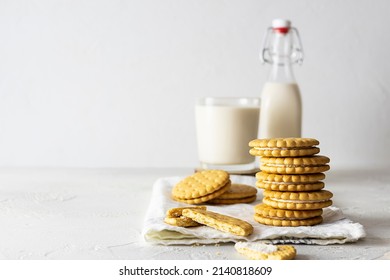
point(292, 165)
point(283, 149)
point(285, 218)
point(257, 246)
point(289, 183)
point(298, 201)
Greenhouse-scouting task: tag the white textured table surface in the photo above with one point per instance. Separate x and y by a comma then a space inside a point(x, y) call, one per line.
point(98, 214)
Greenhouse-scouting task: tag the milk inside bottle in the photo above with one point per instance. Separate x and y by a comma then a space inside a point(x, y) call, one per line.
point(281, 105)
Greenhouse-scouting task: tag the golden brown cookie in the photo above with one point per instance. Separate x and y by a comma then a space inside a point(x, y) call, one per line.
point(284, 147)
point(290, 187)
point(200, 184)
point(219, 201)
point(287, 223)
point(220, 222)
point(205, 198)
point(177, 212)
point(262, 251)
point(288, 179)
point(284, 142)
point(238, 191)
point(296, 205)
point(181, 222)
point(275, 213)
point(174, 217)
point(298, 200)
point(300, 196)
point(294, 165)
point(290, 183)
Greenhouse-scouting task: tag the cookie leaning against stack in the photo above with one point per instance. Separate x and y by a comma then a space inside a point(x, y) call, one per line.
point(291, 175)
point(201, 186)
point(212, 187)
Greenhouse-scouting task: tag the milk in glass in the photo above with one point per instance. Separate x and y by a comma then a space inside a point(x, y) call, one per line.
point(224, 127)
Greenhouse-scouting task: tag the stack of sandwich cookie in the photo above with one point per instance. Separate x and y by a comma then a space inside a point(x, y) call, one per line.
point(291, 175)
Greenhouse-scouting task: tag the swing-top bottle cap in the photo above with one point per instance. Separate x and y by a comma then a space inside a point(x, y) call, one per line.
point(281, 25)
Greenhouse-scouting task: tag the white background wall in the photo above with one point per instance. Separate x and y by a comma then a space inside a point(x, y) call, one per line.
point(113, 83)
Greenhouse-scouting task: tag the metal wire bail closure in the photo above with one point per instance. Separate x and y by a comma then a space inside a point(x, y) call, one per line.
point(297, 53)
point(265, 49)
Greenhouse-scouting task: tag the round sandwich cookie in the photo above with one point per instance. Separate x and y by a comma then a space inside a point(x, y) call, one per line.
point(237, 193)
point(263, 251)
point(201, 186)
point(205, 198)
point(291, 183)
point(218, 201)
point(275, 213)
point(284, 147)
point(286, 222)
point(294, 165)
point(298, 200)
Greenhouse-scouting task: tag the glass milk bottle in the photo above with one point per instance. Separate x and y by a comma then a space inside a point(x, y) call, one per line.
point(281, 108)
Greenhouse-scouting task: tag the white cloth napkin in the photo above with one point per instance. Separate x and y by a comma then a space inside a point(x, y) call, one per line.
point(335, 229)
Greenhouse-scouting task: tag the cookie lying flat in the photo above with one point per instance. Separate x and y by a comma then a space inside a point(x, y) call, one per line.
point(174, 217)
point(295, 165)
point(237, 193)
point(220, 222)
point(291, 183)
point(284, 147)
point(298, 200)
point(262, 251)
point(287, 223)
point(201, 186)
point(218, 201)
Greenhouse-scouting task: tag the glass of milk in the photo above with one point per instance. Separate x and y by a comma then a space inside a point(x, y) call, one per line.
point(224, 127)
